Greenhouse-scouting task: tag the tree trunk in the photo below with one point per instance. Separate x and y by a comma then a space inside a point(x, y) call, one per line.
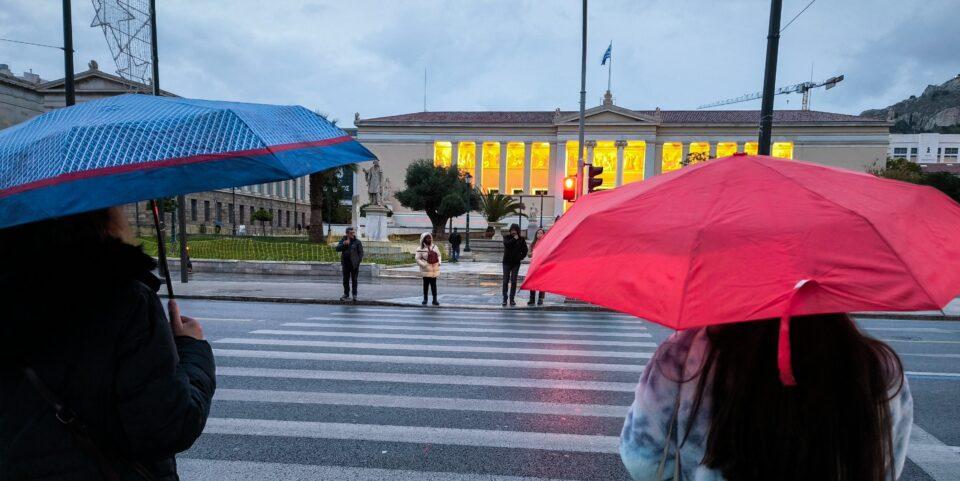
point(316, 208)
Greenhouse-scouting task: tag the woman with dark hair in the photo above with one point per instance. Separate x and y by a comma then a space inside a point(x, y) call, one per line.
point(95, 382)
point(714, 395)
point(534, 297)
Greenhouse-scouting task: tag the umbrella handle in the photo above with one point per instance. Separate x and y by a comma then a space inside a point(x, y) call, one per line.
point(784, 356)
point(161, 249)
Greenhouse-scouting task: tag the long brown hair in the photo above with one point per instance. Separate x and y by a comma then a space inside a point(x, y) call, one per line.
point(834, 425)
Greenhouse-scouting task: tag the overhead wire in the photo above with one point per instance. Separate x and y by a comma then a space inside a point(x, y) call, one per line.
point(797, 16)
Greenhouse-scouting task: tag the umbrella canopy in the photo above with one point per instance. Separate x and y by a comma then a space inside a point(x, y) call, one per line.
point(134, 147)
point(753, 237)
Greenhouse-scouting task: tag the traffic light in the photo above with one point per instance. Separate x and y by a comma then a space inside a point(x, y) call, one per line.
point(570, 188)
point(593, 180)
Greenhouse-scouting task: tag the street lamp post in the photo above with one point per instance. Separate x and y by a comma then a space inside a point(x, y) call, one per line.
point(769, 79)
point(233, 211)
point(520, 211)
point(469, 206)
point(541, 211)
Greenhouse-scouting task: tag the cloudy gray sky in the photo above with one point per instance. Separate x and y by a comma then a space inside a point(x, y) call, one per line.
point(368, 56)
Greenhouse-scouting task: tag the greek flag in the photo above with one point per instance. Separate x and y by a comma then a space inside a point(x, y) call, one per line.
point(606, 55)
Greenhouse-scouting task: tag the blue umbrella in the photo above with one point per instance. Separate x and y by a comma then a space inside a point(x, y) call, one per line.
point(135, 147)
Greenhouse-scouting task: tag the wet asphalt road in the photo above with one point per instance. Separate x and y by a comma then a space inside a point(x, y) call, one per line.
point(344, 393)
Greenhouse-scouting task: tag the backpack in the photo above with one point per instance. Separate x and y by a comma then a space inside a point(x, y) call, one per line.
point(433, 257)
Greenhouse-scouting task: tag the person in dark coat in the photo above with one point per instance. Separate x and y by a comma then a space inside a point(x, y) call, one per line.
point(514, 251)
point(351, 254)
point(101, 345)
point(455, 240)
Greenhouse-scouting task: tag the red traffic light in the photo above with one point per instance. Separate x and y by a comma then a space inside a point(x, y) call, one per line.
point(570, 188)
point(593, 180)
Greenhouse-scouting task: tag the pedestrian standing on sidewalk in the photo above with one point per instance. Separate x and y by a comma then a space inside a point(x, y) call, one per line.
point(428, 258)
point(514, 251)
point(455, 241)
point(533, 245)
point(95, 382)
point(351, 254)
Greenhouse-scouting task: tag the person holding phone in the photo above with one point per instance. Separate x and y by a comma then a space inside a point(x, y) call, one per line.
point(514, 251)
point(351, 254)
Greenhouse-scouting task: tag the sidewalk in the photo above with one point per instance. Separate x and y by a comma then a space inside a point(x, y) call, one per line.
point(327, 290)
point(462, 292)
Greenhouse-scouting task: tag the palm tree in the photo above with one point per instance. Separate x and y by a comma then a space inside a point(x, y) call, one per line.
point(496, 206)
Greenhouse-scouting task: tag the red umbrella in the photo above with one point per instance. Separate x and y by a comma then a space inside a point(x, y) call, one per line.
point(753, 237)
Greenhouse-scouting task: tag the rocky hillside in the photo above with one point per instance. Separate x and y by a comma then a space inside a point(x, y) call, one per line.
point(937, 109)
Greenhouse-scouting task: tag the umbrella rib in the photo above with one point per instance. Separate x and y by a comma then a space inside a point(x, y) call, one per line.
point(865, 219)
point(696, 247)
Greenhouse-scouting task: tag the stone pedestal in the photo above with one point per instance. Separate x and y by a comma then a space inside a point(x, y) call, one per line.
point(377, 230)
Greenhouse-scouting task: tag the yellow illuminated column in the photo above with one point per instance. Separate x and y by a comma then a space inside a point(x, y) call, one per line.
point(454, 153)
point(539, 168)
point(605, 155)
point(726, 149)
point(527, 167)
point(572, 158)
point(467, 158)
point(514, 181)
point(784, 150)
point(442, 154)
point(634, 156)
point(490, 175)
point(699, 152)
point(672, 153)
point(751, 148)
point(621, 145)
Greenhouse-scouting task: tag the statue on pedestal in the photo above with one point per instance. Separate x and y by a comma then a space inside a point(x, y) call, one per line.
point(374, 177)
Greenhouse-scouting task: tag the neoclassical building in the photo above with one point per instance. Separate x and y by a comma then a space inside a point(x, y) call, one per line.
point(529, 153)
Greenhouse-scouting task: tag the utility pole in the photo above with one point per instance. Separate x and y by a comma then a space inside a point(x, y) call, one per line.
point(583, 101)
point(769, 79)
point(68, 86)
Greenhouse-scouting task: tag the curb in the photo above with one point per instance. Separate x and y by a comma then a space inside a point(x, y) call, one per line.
point(554, 308)
point(337, 302)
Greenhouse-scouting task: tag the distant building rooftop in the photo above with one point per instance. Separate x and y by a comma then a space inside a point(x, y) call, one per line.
point(666, 117)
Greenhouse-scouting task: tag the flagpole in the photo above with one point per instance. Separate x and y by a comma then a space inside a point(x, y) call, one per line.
point(610, 67)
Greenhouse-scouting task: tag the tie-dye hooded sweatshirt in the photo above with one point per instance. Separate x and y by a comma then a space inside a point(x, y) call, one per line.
point(645, 429)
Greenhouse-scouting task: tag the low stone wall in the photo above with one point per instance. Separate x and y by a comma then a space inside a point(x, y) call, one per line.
point(331, 269)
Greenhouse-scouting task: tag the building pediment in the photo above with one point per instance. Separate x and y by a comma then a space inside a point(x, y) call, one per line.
point(607, 115)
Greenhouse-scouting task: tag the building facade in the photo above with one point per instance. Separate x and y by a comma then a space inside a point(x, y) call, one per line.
point(926, 148)
point(25, 96)
point(529, 153)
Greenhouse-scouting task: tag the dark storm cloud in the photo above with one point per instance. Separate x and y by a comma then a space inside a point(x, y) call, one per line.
point(369, 56)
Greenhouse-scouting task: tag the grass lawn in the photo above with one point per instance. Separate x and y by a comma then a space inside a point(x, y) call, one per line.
point(207, 246)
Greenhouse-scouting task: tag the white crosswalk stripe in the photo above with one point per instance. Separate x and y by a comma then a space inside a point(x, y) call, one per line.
point(435, 348)
point(414, 434)
point(551, 332)
point(388, 377)
point(429, 337)
point(420, 320)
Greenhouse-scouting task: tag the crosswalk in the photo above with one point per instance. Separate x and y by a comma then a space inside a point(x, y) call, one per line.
point(422, 394)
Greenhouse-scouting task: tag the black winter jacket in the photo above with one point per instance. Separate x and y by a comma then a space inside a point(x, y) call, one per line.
point(95, 332)
point(350, 254)
point(514, 250)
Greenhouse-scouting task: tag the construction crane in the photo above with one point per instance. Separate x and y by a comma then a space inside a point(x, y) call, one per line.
point(804, 88)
